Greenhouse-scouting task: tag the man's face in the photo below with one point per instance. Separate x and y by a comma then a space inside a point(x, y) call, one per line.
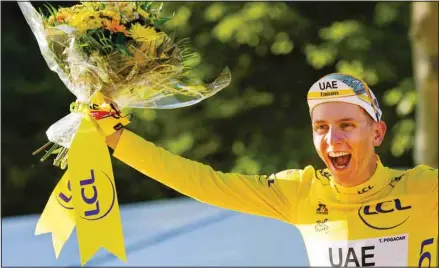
point(345, 136)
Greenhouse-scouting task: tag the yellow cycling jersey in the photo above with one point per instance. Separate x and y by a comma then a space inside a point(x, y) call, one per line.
point(390, 220)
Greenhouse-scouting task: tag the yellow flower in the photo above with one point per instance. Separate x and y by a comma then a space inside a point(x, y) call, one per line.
point(90, 4)
point(111, 14)
point(145, 34)
point(143, 13)
point(51, 20)
point(86, 20)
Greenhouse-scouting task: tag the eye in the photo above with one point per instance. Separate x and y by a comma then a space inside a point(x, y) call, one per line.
point(320, 128)
point(346, 125)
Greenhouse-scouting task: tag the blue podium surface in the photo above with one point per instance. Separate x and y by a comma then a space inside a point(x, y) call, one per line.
point(177, 232)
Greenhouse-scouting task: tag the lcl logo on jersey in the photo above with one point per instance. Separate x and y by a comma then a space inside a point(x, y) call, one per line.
point(323, 176)
point(365, 189)
point(395, 180)
point(270, 182)
point(384, 215)
point(267, 180)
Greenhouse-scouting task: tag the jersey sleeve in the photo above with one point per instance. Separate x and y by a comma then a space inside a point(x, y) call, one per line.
point(272, 196)
point(433, 192)
point(424, 182)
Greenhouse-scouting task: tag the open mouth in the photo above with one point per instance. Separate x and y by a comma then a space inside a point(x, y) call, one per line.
point(340, 160)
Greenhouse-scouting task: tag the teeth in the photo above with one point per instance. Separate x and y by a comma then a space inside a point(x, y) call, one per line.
point(341, 167)
point(337, 154)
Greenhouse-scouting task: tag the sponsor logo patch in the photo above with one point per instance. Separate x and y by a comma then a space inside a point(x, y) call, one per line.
point(322, 226)
point(322, 209)
point(365, 189)
point(379, 252)
point(384, 215)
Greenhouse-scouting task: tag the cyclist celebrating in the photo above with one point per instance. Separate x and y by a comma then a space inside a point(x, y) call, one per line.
point(356, 212)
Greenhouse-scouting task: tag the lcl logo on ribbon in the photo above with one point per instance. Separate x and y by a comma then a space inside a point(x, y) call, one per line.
point(90, 193)
point(93, 200)
point(64, 197)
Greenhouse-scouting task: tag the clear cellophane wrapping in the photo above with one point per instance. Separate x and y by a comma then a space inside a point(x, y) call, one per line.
point(153, 76)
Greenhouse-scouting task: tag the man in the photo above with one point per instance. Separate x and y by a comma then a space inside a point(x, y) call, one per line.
point(355, 213)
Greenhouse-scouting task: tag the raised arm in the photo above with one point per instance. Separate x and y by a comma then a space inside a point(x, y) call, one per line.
point(271, 196)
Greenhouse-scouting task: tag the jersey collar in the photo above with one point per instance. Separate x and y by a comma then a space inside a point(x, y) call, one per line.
point(361, 192)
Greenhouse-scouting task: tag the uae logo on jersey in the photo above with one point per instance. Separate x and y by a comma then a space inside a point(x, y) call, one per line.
point(322, 209)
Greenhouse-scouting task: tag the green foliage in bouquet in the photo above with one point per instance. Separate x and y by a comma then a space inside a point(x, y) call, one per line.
point(115, 52)
point(103, 27)
point(119, 49)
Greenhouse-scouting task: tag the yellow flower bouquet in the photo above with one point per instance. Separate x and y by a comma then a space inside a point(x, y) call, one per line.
point(105, 53)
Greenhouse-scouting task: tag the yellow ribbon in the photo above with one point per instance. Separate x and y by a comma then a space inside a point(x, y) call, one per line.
point(58, 216)
point(86, 197)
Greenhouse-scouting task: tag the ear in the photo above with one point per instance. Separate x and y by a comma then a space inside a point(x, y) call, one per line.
point(379, 133)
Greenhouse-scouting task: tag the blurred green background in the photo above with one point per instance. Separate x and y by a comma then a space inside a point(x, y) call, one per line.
point(260, 123)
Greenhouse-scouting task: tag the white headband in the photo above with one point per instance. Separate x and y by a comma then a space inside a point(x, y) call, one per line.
point(344, 88)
